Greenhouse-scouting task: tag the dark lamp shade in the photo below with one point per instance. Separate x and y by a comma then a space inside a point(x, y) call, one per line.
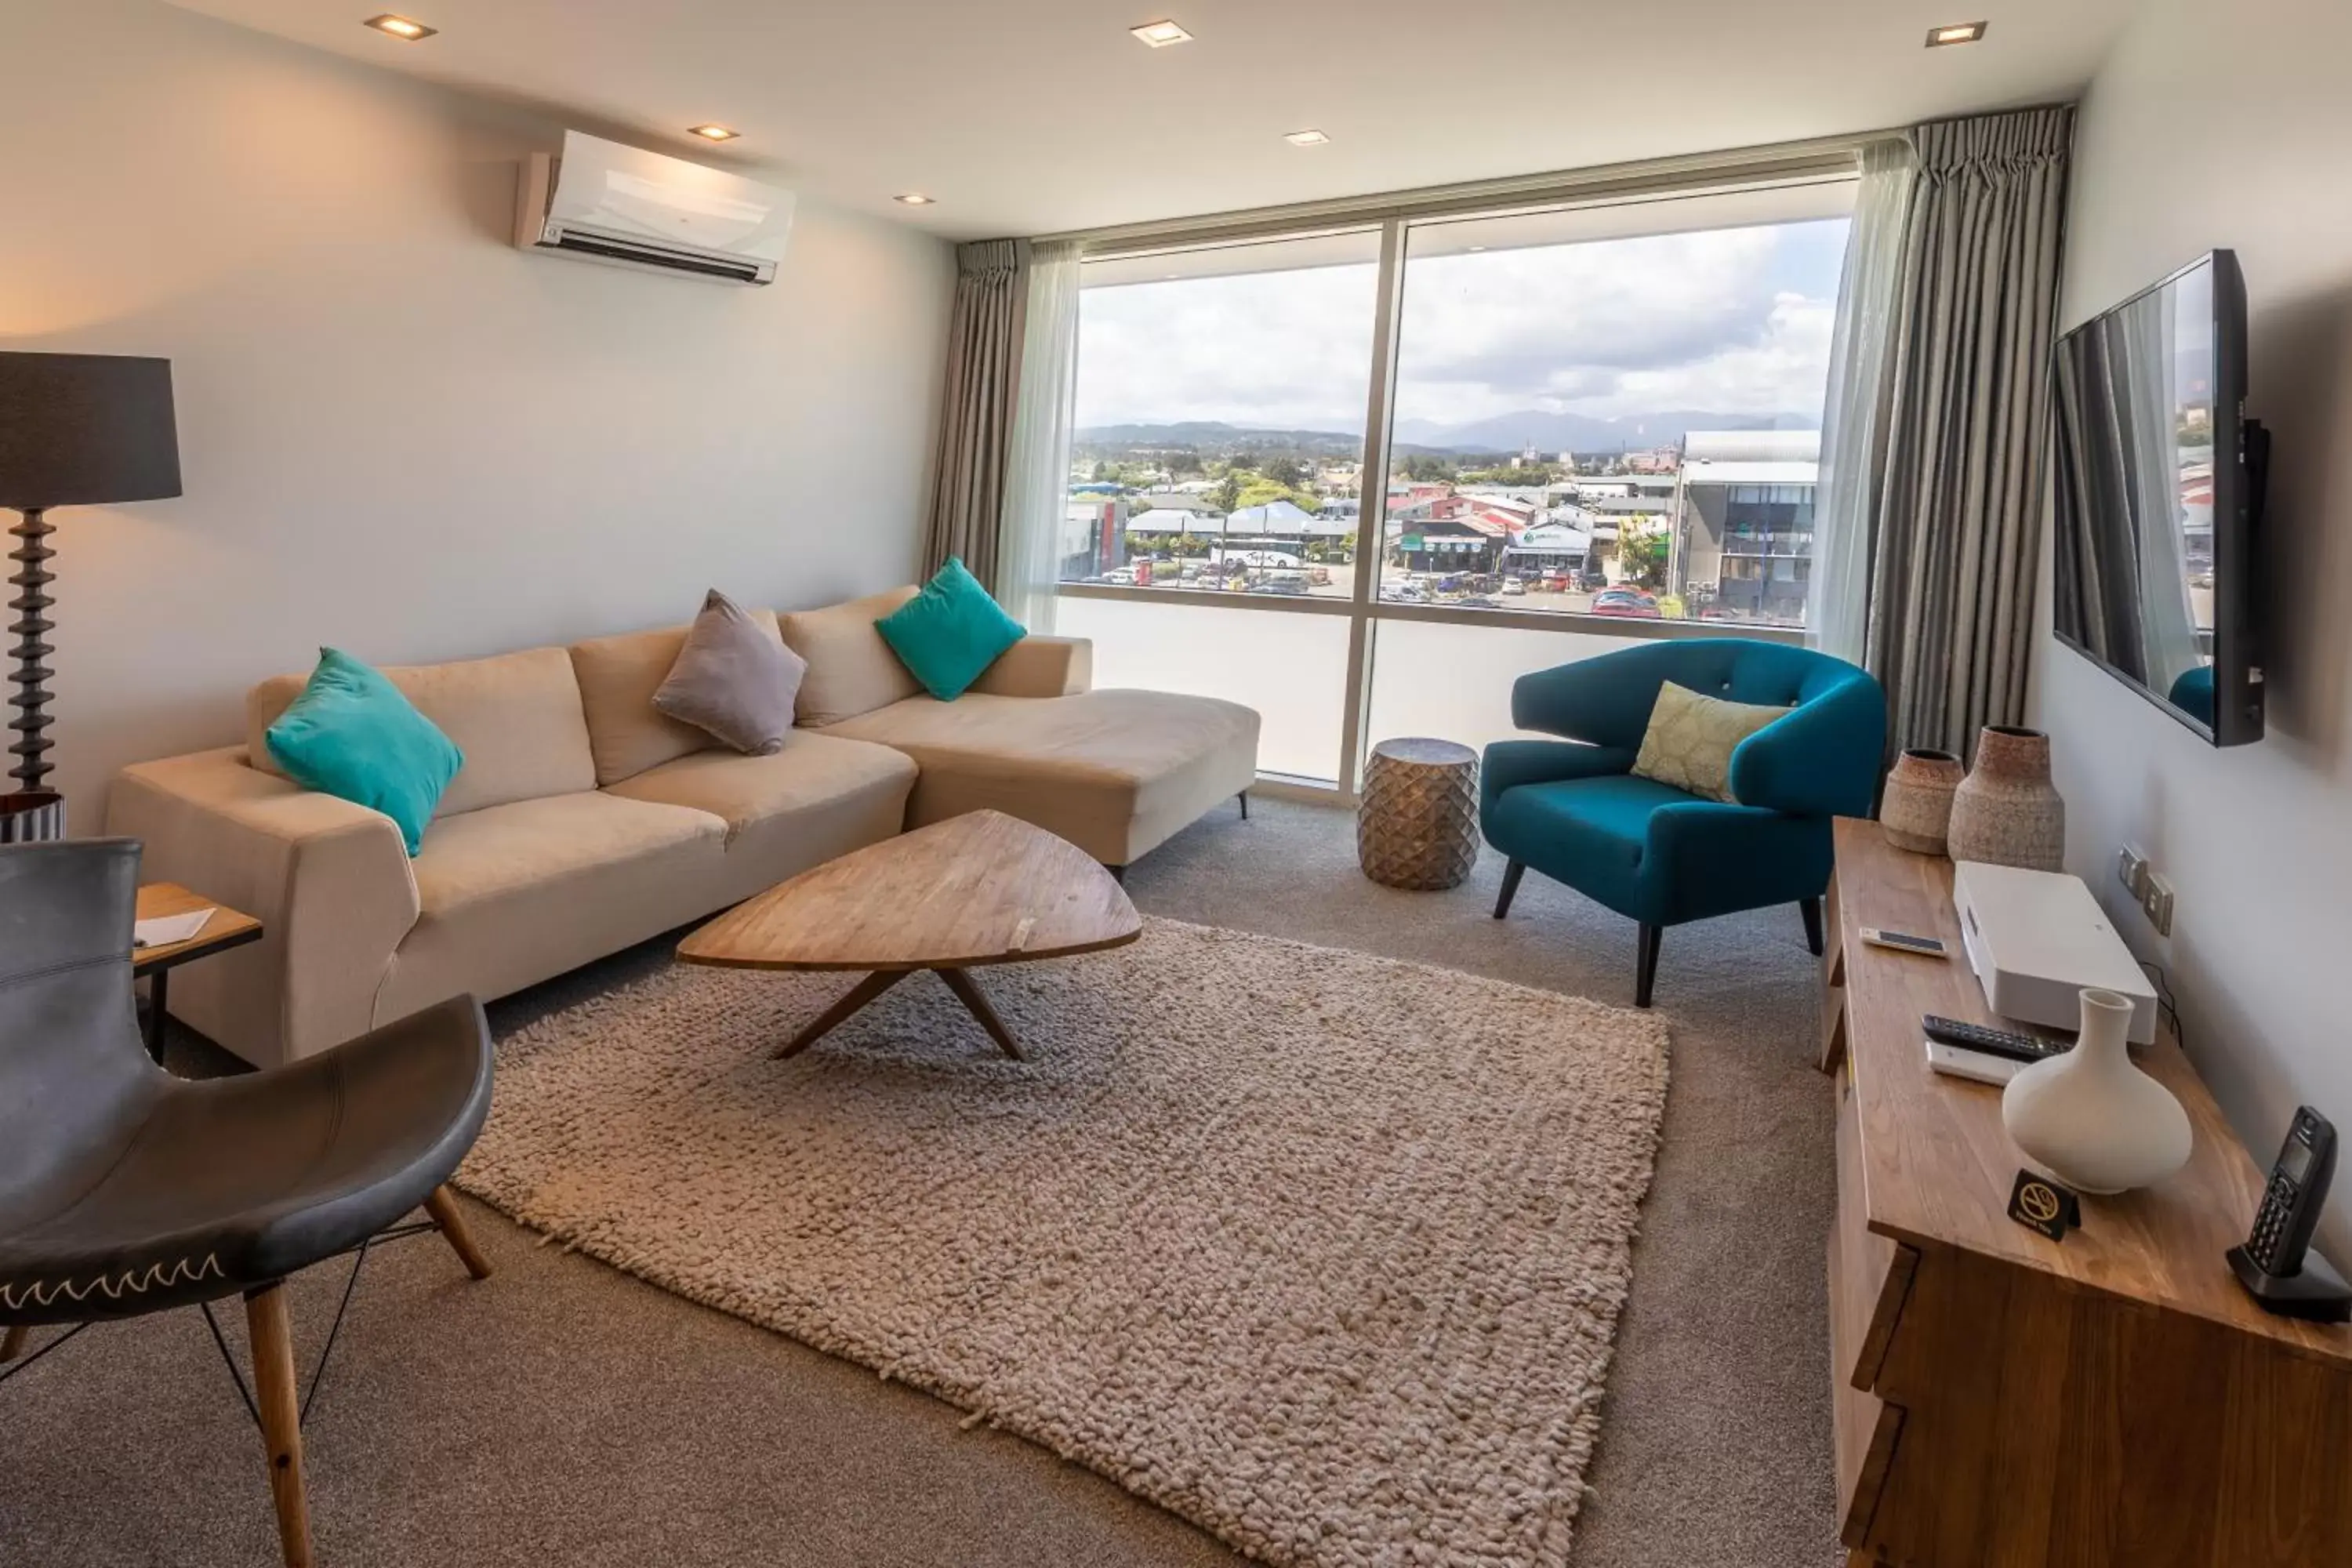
point(86, 430)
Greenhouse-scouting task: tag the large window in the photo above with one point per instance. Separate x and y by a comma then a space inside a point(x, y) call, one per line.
point(1580, 418)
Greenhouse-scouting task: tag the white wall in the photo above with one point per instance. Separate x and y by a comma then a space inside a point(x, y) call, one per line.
point(398, 434)
point(2230, 126)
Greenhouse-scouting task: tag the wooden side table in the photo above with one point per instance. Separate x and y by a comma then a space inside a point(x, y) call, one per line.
point(1417, 827)
point(228, 928)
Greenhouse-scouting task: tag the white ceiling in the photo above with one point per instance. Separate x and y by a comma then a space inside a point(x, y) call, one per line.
point(1031, 116)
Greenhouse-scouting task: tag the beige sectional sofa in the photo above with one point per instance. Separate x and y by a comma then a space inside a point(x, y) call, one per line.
point(583, 821)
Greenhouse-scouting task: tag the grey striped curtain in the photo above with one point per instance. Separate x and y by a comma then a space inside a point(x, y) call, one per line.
point(1956, 540)
point(984, 379)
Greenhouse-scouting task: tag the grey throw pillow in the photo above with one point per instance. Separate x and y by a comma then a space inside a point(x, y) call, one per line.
point(734, 678)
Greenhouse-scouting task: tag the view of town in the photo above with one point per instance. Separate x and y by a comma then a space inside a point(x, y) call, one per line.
point(1626, 426)
point(1716, 526)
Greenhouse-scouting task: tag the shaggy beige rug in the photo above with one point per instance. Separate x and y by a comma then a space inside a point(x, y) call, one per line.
point(1321, 1251)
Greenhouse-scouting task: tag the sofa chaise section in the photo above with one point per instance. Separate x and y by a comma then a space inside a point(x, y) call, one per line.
point(1116, 773)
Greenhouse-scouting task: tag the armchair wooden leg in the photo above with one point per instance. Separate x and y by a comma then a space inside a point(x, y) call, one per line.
point(1645, 962)
point(1511, 875)
point(276, 1394)
point(13, 1343)
point(443, 1207)
point(1811, 910)
point(1244, 800)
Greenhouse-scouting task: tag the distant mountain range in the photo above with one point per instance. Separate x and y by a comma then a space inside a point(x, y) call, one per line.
point(1503, 433)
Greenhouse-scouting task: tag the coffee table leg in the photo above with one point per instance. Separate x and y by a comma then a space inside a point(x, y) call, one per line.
point(975, 1001)
point(859, 994)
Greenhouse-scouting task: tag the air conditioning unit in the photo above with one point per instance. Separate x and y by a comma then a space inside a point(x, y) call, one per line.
point(599, 201)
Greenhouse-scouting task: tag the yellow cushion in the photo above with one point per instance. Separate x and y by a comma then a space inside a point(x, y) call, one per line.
point(1691, 738)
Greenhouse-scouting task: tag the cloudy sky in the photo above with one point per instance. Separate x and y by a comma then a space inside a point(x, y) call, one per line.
point(1726, 320)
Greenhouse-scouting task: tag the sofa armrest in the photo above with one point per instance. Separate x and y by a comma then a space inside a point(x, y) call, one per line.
point(1040, 666)
point(330, 882)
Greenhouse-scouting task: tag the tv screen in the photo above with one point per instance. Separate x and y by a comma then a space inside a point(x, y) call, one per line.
point(2157, 485)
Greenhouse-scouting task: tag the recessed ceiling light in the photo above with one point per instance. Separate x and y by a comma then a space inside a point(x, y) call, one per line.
point(1161, 33)
point(1958, 33)
point(1477, 248)
point(1305, 138)
point(913, 199)
point(713, 133)
point(401, 28)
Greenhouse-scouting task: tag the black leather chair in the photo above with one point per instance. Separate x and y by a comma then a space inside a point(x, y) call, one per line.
point(125, 1190)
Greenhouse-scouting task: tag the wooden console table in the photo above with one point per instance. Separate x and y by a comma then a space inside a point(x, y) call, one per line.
point(2001, 1400)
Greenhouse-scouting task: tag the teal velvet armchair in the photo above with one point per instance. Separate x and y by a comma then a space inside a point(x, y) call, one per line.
point(1574, 810)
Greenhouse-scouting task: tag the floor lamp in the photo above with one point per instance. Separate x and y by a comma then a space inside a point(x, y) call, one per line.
point(75, 430)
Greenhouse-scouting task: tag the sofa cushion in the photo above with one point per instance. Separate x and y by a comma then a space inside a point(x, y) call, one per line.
point(950, 632)
point(512, 894)
point(516, 717)
point(851, 670)
point(350, 733)
point(734, 680)
point(618, 677)
point(1114, 773)
point(818, 798)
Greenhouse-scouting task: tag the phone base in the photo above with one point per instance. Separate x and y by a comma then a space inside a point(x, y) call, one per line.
point(2318, 1293)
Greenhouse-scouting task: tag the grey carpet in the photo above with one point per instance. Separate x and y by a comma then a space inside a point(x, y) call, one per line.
point(565, 1412)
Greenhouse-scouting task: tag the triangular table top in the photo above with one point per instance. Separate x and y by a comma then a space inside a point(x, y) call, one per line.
point(976, 889)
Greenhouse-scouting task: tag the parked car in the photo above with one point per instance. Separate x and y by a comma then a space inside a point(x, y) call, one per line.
point(1624, 602)
point(1481, 602)
point(1121, 576)
point(1512, 586)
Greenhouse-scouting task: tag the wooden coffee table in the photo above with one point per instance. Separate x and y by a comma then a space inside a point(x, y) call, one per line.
point(973, 890)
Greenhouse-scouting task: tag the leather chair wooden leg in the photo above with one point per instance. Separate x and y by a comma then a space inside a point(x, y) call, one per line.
point(1645, 962)
point(443, 1207)
point(279, 1399)
point(13, 1343)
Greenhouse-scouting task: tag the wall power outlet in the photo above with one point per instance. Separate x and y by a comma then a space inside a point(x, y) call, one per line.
point(2131, 871)
point(2156, 900)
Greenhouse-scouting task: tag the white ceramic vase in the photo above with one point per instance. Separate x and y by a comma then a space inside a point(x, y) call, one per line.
point(2091, 1118)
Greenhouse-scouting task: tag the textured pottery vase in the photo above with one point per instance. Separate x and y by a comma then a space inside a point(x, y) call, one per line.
point(2006, 812)
point(1916, 809)
point(2091, 1118)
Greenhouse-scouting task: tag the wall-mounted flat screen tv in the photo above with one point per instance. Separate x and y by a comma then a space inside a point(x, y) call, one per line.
point(2159, 500)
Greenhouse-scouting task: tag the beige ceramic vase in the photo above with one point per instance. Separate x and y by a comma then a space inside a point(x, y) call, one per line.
point(2006, 812)
point(2091, 1118)
point(1916, 809)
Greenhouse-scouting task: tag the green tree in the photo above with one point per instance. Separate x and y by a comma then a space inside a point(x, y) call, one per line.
point(1227, 496)
point(1642, 558)
point(1288, 472)
point(1263, 493)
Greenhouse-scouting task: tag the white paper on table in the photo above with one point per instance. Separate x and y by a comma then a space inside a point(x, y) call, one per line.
point(165, 930)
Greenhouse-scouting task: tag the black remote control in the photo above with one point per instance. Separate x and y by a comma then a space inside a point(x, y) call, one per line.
point(1992, 1042)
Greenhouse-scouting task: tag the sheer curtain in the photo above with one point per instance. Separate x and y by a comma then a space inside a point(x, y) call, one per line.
point(1038, 458)
point(1854, 420)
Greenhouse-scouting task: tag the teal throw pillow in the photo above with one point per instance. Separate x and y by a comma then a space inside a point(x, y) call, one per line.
point(352, 735)
point(949, 633)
